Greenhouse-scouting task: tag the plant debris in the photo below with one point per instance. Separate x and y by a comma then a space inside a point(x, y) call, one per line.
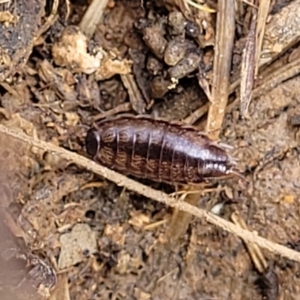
point(76, 245)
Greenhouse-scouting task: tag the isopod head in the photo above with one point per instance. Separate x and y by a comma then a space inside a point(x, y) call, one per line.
point(92, 142)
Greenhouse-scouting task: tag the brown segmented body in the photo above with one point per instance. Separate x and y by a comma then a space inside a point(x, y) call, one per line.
point(157, 150)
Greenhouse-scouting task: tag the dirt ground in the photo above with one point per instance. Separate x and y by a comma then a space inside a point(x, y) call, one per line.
point(70, 234)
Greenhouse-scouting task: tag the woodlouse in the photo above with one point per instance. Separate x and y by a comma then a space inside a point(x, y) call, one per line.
point(157, 150)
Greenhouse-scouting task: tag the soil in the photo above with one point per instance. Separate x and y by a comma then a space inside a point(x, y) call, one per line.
point(66, 229)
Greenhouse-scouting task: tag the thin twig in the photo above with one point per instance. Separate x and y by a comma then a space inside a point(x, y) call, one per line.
point(197, 114)
point(248, 67)
point(141, 189)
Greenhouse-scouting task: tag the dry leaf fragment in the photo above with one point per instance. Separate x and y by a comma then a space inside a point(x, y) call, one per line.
point(111, 66)
point(71, 52)
point(6, 17)
point(115, 233)
point(75, 243)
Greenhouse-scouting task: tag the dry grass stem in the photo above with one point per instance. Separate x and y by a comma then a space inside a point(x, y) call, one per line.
point(222, 66)
point(251, 54)
point(248, 68)
point(92, 17)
